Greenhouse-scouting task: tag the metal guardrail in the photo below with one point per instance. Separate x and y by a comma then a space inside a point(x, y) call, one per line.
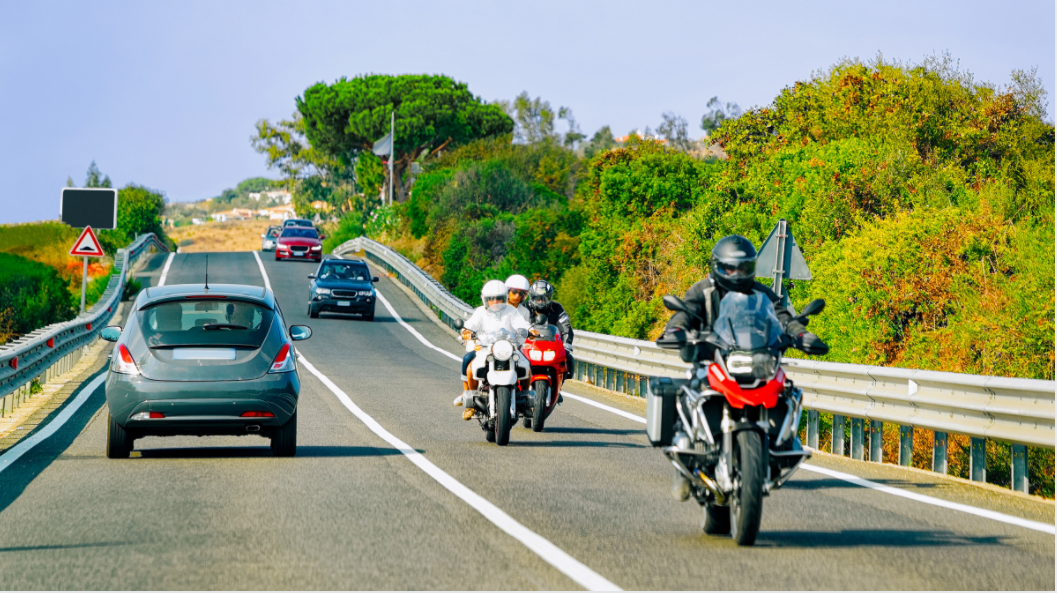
point(1016, 411)
point(34, 354)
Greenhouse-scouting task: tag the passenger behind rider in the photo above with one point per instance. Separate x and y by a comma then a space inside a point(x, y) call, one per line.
point(494, 315)
point(517, 287)
point(733, 264)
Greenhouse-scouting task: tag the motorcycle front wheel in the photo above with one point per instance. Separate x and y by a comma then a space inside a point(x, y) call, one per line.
point(539, 407)
point(503, 421)
point(746, 507)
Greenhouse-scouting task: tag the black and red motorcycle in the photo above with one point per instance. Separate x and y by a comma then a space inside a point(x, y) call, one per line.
point(547, 355)
point(730, 428)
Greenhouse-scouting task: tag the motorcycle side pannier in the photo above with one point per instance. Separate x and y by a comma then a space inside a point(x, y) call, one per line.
point(660, 409)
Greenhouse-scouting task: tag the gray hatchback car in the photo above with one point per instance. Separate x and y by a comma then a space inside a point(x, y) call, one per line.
point(203, 361)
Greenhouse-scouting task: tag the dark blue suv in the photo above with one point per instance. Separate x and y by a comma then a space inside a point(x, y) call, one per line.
point(342, 286)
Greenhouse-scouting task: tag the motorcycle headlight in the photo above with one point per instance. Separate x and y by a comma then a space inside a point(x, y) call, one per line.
point(535, 355)
point(548, 356)
point(502, 350)
point(739, 364)
point(322, 291)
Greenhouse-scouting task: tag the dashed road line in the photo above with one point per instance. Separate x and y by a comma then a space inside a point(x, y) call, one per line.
point(165, 270)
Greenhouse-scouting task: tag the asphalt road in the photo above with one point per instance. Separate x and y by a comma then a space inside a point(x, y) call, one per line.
point(351, 511)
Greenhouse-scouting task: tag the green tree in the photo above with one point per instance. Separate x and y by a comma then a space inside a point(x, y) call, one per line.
point(95, 178)
point(717, 114)
point(602, 141)
point(254, 184)
point(344, 119)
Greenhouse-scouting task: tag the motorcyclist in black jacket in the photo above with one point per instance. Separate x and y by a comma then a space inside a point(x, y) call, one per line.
point(733, 265)
point(541, 301)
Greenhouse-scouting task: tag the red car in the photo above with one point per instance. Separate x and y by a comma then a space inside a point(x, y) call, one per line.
point(299, 243)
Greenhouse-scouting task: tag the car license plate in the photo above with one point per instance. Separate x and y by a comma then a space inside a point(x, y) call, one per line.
point(203, 354)
point(344, 303)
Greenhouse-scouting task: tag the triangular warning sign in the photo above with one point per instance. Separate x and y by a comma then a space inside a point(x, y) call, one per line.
point(87, 244)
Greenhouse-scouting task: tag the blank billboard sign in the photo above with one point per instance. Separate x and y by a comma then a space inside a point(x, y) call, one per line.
point(94, 207)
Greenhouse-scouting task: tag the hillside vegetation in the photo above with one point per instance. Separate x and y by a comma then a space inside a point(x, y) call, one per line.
point(923, 201)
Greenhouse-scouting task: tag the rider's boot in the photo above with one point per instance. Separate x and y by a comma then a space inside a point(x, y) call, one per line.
point(680, 487)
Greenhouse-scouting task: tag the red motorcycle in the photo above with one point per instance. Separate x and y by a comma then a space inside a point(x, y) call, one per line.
point(730, 428)
point(546, 354)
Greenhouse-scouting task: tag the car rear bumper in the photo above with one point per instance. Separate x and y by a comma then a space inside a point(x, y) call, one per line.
point(202, 407)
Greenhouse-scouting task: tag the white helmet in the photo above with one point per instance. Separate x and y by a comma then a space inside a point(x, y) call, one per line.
point(517, 282)
point(493, 289)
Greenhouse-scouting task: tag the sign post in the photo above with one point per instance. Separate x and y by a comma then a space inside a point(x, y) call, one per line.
point(87, 245)
point(780, 259)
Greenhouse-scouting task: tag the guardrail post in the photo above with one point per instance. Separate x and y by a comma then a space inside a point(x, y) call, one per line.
point(620, 382)
point(939, 452)
point(837, 445)
point(876, 436)
point(1020, 468)
point(978, 459)
point(600, 375)
point(856, 438)
point(812, 429)
point(906, 444)
point(643, 385)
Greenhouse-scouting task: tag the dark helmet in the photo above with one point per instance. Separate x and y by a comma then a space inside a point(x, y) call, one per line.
point(540, 295)
point(734, 263)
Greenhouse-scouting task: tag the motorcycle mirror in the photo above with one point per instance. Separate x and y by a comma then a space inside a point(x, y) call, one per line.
point(539, 319)
point(813, 308)
point(457, 323)
point(674, 303)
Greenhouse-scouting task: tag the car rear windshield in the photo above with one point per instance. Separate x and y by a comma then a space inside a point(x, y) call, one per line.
point(213, 322)
point(300, 233)
point(298, 222)
point(343, 271)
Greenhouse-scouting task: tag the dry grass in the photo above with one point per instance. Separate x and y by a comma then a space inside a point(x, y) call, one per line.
point(238, 235)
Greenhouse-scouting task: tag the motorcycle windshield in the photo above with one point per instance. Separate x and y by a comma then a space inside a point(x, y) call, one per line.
point(747, 321)
point(487, 339)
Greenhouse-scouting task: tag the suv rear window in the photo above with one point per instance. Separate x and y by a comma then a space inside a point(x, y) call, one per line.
point(205, 323)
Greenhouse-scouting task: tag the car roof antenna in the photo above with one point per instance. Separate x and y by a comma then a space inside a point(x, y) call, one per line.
point(207, 272)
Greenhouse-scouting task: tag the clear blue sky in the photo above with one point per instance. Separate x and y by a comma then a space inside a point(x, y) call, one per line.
point(165, 94)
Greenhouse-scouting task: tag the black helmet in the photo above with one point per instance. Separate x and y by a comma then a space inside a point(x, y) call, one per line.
point(734, 263)
point(540, 295)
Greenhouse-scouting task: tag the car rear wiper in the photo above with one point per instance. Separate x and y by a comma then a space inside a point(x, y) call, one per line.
point(212, 326)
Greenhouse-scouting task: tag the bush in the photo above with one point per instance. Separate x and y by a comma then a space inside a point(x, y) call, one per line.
point(34, 293)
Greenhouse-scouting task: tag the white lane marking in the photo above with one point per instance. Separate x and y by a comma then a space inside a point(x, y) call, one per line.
point(1044, 527)
point(165, 270)
point(12, 454)
point(550, 553)
point(413, 331)
point(1001, 517)
point(260, 264)
point(616, 411)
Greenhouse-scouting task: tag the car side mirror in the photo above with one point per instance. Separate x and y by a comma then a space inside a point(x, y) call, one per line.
point(374, 279)
point(263, 235)
point(110, 333)
point(457, 323)
point(321, 237)
point(300, 332)
point(311, 275)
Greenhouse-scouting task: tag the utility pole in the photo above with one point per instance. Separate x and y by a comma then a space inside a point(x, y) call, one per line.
point(392, 155)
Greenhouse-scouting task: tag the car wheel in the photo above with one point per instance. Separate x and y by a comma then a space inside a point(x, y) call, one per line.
point(118, 441)
point(312, 312)
point(284, 440)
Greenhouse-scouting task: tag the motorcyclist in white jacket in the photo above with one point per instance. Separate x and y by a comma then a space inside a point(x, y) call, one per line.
point(494, 315)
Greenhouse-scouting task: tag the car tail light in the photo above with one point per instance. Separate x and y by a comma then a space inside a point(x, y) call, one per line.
point(124, 363)
point(147, 416)
point(284, 362)
point(535, 355)
point(258, 415)
point(548, 356)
